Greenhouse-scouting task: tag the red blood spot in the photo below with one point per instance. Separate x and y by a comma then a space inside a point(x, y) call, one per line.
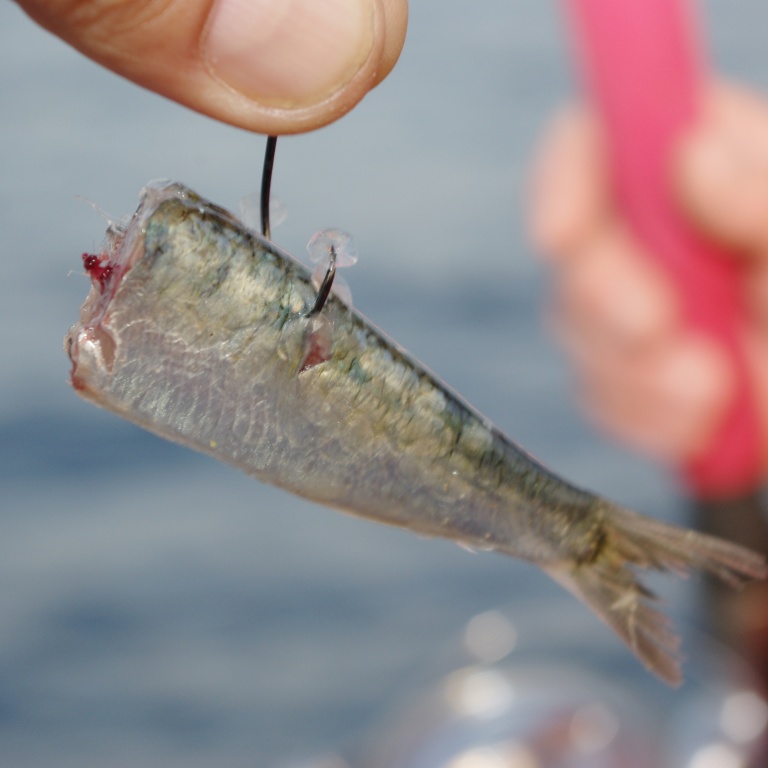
point(98, 268)
point(314, 356)
point(318, 344)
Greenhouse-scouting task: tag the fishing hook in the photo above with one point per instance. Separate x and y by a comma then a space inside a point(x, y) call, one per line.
point(266, 183)
point(324, 291)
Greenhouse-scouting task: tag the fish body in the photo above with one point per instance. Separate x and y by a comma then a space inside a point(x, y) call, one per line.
point(202, 331)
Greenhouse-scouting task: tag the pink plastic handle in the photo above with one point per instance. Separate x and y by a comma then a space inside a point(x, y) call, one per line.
point(643, 69)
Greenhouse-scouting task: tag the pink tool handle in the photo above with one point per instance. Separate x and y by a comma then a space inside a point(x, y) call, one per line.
point(643, 68)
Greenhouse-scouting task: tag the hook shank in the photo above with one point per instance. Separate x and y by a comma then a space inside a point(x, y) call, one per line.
point(266, 183)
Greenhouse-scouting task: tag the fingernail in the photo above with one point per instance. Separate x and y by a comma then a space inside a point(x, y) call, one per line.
point(289, 53)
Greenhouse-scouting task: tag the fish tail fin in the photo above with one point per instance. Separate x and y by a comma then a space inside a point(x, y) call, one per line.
point(607, 583)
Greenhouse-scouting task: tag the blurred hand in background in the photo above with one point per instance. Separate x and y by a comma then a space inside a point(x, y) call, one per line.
point(642, 373)
point(272, 66)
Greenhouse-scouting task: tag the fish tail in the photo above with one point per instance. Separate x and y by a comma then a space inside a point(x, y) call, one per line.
point(607, 583)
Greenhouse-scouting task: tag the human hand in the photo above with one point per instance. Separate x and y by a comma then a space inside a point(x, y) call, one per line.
point(272, 66)
point(644, 375)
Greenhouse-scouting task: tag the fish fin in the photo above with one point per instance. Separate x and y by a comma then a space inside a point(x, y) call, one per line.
point(607, 583)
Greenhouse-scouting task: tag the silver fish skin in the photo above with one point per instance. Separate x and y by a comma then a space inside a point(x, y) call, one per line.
point(199, 330)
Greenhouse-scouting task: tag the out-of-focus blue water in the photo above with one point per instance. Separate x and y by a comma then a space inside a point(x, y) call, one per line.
point(159, 609)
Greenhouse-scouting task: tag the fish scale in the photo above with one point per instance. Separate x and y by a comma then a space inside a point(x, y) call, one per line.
point(200, 330)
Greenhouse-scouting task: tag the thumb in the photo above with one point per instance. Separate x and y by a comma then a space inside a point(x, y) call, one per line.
point(272, 66)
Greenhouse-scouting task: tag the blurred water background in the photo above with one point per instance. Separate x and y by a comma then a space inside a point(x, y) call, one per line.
point(157, 608)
